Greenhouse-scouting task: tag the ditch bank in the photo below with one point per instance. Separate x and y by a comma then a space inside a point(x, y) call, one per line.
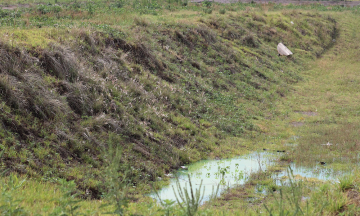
point(178, 93)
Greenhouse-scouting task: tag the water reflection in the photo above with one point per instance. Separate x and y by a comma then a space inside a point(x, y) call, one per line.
point(318, 172)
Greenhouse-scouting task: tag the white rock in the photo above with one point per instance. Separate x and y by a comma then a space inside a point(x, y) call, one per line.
point(283, 50)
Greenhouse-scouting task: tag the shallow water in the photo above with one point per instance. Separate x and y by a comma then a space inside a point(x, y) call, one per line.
point(318, 172)
point(235, 171)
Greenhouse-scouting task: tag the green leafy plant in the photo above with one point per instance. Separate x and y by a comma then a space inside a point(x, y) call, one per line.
point(184, 3)
point(120, 3)
point(207, 3)
point(189, 202)
point(2, 172)
point(222, 172)
point(207, 10)
point(90, 9)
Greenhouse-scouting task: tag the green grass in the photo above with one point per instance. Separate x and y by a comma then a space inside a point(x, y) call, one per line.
point(38, 197)
point(152, 90)
point(168, 85)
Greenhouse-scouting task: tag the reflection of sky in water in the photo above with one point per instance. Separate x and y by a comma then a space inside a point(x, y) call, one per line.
point(319, 172)
point(237, 172)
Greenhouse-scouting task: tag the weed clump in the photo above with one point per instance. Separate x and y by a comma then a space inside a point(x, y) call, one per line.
point(250, 40)
point(346, 183)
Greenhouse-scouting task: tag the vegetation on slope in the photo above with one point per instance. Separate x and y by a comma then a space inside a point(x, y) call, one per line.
point(318, 126)
point(167, 90)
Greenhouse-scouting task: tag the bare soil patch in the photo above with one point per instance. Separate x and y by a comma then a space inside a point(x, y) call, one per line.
point(308, 113)
point(354, 197)
point(297, 124)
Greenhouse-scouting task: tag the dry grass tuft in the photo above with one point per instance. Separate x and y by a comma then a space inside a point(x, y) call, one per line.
point(61, 63)
point(141, 21)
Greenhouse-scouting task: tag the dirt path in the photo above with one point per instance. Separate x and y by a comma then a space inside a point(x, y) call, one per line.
point(326, 3)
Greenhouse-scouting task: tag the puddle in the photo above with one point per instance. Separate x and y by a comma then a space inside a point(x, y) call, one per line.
point(294, 138)
point(236, 172)
point(291, 144)
point(318, 172)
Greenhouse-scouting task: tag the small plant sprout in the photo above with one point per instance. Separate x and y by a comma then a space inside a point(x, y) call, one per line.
point(118, 182)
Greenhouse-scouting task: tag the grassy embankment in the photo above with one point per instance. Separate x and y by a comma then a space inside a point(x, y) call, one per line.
point(169, 87)
point(323, 111)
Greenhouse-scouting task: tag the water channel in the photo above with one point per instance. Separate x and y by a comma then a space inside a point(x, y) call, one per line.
point(235, 171)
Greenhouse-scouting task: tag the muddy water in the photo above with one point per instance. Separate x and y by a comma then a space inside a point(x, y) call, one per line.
point(235, 171)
